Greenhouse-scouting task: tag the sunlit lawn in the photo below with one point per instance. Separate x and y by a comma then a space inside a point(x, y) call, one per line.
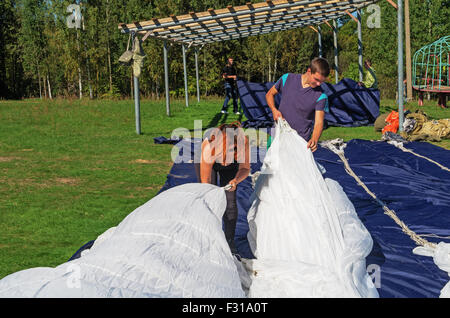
point(69, 170)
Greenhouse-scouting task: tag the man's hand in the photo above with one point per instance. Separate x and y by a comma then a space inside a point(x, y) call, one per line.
point(312, 144)
point(317, 131)
point(276, 114)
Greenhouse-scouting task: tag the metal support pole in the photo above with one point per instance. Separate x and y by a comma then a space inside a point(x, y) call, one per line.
point(336, 52)
point(137, 102)
point(320, 40)
point(408, 52)
point(196, 74)
point(186, 93)
point(400, 63)
point(137, 105)
point(166, 78)
point(360, 47)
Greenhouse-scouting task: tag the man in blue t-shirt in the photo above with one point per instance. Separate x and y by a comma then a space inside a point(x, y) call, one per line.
point(302, 101)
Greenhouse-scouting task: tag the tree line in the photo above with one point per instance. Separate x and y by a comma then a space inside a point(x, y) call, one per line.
point(40, 56)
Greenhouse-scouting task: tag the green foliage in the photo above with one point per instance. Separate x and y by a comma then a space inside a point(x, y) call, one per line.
point(36, 43)
point(352, 72)
point(113, 94)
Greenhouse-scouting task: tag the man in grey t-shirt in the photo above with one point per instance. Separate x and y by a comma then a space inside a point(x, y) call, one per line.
point(302, 101)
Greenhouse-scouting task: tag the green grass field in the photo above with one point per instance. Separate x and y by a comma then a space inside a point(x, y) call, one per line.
point(69, 170)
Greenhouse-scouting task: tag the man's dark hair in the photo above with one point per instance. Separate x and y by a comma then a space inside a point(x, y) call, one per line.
point(369, 62)
point(320, 65)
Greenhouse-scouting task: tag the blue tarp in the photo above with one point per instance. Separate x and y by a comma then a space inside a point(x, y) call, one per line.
point(414, 188)
point(349, 104)
point(253, 103)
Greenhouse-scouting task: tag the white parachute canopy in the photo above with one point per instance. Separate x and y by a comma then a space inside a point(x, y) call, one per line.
point(172, 246)
point(304, 231)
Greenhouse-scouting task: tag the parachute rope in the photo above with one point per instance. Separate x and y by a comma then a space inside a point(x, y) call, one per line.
point(337, 146)
point(399, 145)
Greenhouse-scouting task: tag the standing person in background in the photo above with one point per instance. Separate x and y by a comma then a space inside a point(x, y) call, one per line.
point(230, 77)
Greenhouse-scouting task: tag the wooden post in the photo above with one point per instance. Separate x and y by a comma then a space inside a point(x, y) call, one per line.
point(400, 64)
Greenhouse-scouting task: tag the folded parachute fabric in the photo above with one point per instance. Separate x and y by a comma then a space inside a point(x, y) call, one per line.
point(171, 246)
point(138, 57)
point(134, 57)
point(414, 187)
point(304, 231)
point(416, 126)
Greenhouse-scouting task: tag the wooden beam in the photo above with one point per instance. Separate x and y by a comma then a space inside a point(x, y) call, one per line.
point(327, 23)
point(225, 28)
point(351, 16)
point(146, 36)
point(257, 17)
point(393, 4)
point(256, 6)
point(313, 28)
point(188, 35)
point(409, 96)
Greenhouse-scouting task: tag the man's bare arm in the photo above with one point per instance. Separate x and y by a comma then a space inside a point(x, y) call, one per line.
point(270, 99)
point(317, 132)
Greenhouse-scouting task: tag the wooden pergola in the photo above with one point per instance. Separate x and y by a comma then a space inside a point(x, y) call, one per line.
point(201, 28)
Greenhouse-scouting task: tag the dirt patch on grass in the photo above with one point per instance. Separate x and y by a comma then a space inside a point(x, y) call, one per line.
point(8, 159)
point(142, 161)
point(68, 181)
point(26, 182)
point(148, 188)
point(153, 162)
